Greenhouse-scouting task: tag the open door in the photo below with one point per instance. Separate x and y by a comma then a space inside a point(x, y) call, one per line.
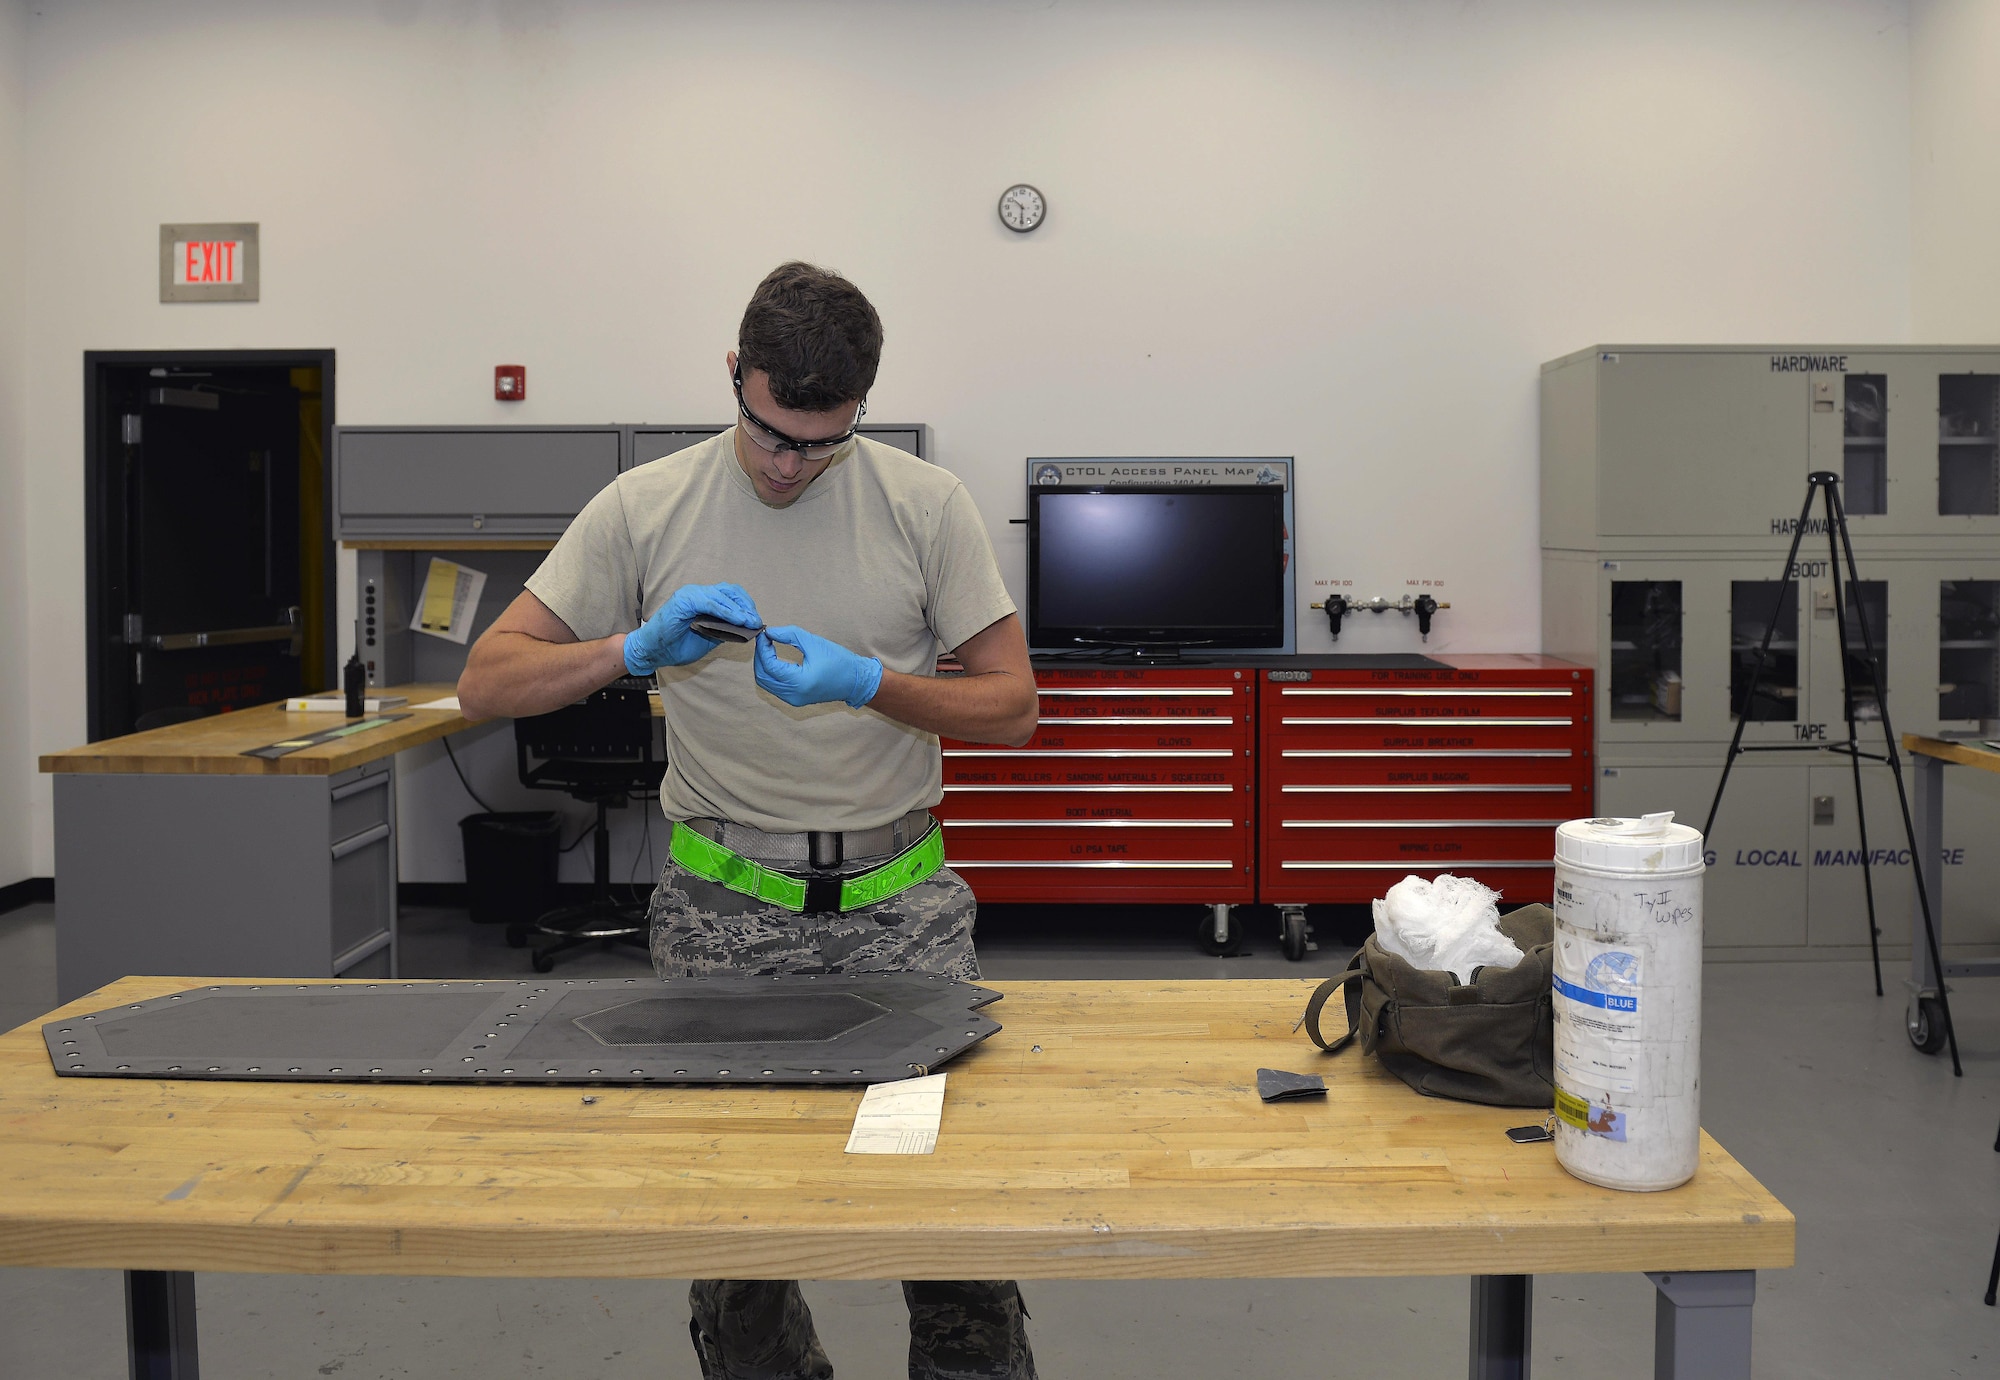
point(210, 554)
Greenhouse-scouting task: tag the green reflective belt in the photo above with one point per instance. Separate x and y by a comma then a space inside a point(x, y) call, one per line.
point(710, 861)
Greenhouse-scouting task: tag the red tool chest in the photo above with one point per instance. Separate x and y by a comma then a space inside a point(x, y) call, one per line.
point(1367, 776)
point(1137, 787)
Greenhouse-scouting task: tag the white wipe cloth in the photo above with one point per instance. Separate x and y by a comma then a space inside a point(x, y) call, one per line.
point(1452, 924)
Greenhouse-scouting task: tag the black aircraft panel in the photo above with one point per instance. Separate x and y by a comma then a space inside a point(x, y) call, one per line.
point(725, 1029)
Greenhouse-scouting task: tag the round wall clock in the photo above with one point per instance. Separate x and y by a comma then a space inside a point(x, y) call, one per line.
point(1022, 208)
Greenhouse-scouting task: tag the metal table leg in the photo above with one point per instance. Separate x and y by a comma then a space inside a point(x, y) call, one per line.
point(159, 1325)
point(1501, 1307)
point(1701, 1325)
point(1927, 818)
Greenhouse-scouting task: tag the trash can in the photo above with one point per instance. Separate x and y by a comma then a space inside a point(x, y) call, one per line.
point(510, 865)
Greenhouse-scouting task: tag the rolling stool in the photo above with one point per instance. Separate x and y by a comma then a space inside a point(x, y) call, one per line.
point(599, 751)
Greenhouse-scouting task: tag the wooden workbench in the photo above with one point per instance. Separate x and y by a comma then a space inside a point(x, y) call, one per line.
point(215, 746)
point(1924, 1017)
point(1110, 1130)
point(1964, 753)
point(179, 853)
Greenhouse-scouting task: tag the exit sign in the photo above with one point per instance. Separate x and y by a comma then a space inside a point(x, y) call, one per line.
point(208, 263)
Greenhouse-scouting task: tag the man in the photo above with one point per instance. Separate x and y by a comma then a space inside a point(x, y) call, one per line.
point(816, 761)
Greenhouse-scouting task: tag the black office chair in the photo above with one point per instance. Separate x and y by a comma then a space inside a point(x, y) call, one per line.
point(599, 751)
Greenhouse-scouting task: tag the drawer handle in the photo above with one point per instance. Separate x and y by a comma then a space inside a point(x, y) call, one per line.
point(1030, 754)
point(1124, 790)
point(360, 841)
point(1446, 694)
point(1141, 694)
point(1123, 863)
point(1418, 825)
point(1412, 720)
point(371, 945)
point(1152, 721)
point(1091, 823)
point(1425, 790)
point(1427, 752)
point(367, 783)
point(1406, 864)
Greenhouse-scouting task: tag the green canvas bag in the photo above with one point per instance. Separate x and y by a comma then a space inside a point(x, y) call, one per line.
point(1491, 1039)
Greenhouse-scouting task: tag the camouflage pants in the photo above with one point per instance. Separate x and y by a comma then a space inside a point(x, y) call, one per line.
point(699, 926)
point(762, 1329)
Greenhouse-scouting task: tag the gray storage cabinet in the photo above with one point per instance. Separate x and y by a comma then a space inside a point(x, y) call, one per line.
point(1672, 478)
point(225, 876)
point(476, 492)
point(460, 482)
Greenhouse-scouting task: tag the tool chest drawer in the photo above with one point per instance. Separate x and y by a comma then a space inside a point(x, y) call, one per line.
point(1427, 741)
point(1082, 740)
point(1391, 789)
point(1367, 776)
point(1427, 842)
point(1137, 787)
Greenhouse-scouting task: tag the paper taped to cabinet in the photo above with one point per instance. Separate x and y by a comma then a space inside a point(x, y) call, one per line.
point(449, 601)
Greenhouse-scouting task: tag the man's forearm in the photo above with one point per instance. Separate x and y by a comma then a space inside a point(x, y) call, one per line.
point(996, 707)
point(513, 674)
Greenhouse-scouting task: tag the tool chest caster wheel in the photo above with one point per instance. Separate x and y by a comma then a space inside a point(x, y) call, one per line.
point(1926, 1024)
point(1217, 934)
point(1293, 934)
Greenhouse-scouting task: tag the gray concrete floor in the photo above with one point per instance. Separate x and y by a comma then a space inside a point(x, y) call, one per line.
point(1886, 1159)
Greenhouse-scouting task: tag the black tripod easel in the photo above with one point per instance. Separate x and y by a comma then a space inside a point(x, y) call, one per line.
point(1839, 547)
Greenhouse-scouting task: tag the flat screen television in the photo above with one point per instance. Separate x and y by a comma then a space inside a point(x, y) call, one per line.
point(1157, 567)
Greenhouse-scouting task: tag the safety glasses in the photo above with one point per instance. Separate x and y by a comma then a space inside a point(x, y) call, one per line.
point(770, 438)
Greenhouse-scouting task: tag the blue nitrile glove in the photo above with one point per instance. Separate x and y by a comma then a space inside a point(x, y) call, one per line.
point(666, 639)
point(829, 671)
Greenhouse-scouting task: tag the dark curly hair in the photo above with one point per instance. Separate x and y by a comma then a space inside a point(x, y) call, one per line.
point(816, 336)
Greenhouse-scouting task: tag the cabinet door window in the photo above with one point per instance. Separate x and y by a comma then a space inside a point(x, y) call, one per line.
point(1968, 649)
point(1865, 445)
point(1753, 605)
point(1646, 650)
point(1870, 599)
point(1968, 431)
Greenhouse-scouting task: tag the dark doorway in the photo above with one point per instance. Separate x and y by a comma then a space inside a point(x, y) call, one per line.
point(209, 550)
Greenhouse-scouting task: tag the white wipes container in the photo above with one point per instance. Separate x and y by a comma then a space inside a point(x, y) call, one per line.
point(1628, 1001)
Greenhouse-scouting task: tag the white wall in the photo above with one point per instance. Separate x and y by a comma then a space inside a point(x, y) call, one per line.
point(1955, 130)
point(16, 765)
point(1346, 232)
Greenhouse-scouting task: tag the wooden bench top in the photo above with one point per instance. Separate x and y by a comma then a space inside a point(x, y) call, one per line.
point(215, 745)
point(1966, 753)
point(1110, 1130)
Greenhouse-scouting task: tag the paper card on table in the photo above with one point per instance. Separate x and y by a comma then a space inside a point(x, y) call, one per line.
point(899, 1118)
point(337, 704)
point(450, 599)
point(447, 702)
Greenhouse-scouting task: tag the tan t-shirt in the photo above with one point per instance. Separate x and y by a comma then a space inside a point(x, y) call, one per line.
point(883, 553)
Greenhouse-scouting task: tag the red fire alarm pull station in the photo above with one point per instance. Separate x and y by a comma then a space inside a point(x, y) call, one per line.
point(510, 382)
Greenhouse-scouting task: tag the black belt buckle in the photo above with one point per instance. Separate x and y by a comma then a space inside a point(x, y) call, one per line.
point(823, 852)
point(822, 895)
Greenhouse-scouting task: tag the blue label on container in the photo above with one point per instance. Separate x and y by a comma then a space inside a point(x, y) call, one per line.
point(1599, 999)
